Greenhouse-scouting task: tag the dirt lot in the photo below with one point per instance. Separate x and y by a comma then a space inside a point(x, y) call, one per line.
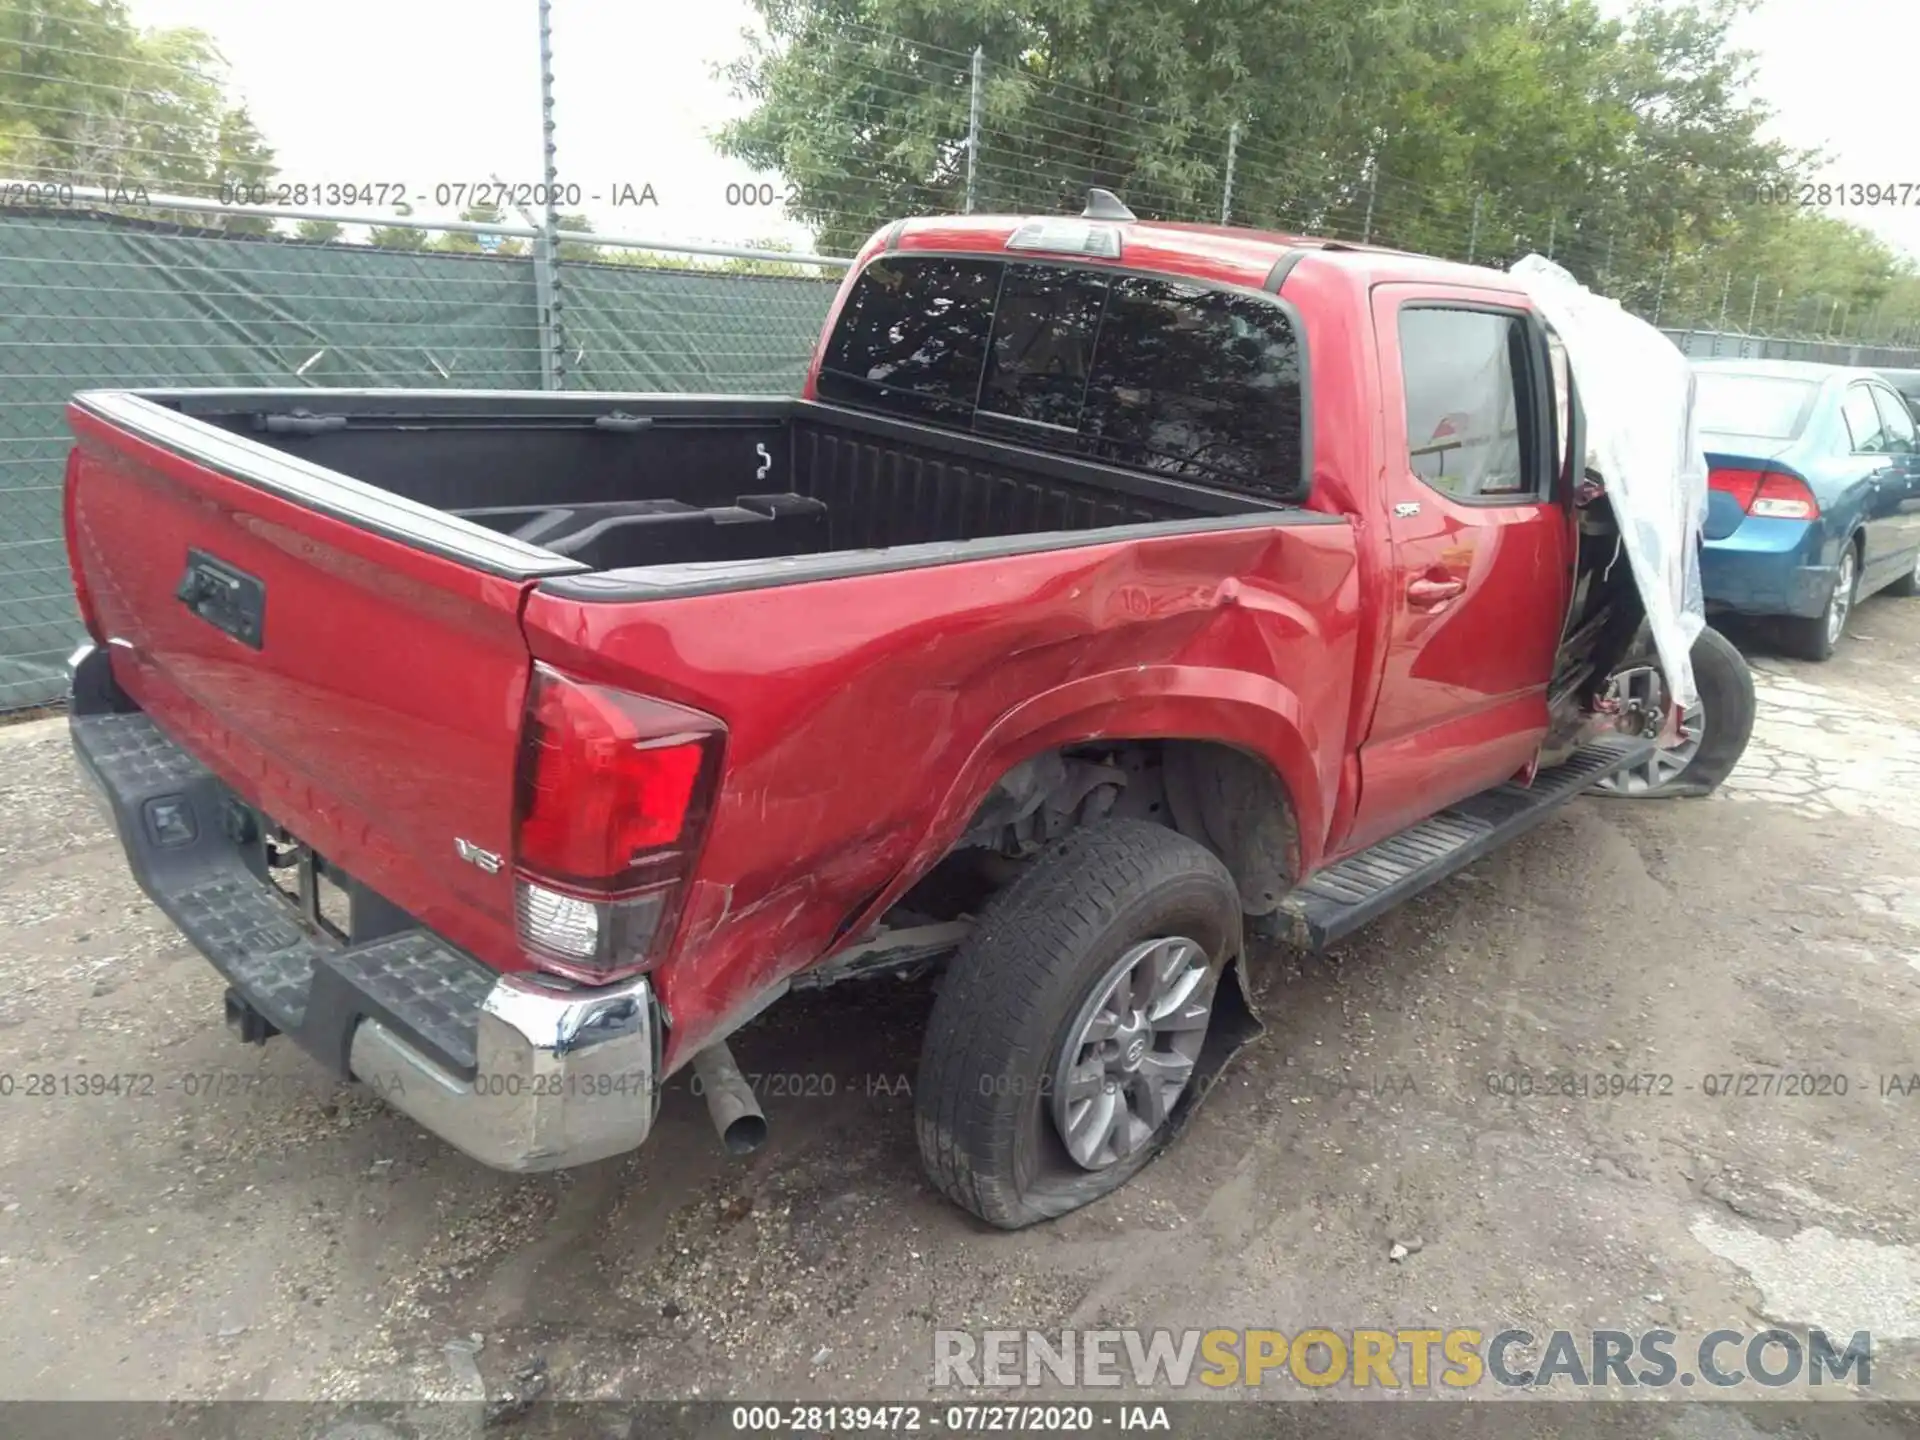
point(285, 1238)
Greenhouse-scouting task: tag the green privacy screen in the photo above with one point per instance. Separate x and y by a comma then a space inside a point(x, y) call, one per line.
point(89, 301)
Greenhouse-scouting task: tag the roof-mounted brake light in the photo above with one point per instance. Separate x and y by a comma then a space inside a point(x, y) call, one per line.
point(1067, 237)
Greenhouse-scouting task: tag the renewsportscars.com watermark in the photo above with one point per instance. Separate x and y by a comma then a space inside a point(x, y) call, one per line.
point(1444, 1360)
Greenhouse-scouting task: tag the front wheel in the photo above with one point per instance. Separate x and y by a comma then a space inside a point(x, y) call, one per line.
point(1713, 731)
point(1064, 1045)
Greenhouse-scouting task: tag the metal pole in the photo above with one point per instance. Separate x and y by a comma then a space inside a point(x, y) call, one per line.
point(1473, 235)
point(547, 253)
point(1553, 233)
point(1226, 190)
point(1660, 295)
point(1373, 190)
point(1753, 304)
point(1725, 291)
point(973, 123)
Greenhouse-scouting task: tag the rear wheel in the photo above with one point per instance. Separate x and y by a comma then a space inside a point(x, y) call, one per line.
point(1059, 1054)
point(1713, 731)
point(1909, 583)
point(1815, 638)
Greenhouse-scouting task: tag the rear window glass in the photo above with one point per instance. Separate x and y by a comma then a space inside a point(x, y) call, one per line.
point(911, 338)
point(1181, 380)
point(1772, 407)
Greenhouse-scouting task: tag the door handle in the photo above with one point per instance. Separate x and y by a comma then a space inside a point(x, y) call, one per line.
point(1425, 594)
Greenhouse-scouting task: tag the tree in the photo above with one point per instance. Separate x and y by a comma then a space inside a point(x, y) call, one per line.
point(320, 232)
point(738, 266)
point(574, 249)
point(461, 243)
point(88, 98)
point(863, 105)
point(1631, 148)
point(399, 237)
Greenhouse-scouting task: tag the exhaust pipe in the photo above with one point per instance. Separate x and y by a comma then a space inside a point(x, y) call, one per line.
point(736, 1114)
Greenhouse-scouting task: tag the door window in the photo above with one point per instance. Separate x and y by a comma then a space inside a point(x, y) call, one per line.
point(1896, 422)
point(1864, 426)
point(1462, 370)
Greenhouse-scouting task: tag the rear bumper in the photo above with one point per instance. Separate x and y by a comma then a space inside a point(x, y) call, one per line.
point(1768, 567)
point(519, 1072)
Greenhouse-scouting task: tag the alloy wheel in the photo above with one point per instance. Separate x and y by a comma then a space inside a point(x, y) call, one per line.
point(1665, 765)
point(1841, 605)
point(1131, 1050)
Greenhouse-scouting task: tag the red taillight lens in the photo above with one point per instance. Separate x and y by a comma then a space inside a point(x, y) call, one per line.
point(612, 798)
point(1784, 497)
point(1740, 484)
point(1767, 493)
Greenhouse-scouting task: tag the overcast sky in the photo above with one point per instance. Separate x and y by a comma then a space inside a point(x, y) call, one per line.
point(426, 91)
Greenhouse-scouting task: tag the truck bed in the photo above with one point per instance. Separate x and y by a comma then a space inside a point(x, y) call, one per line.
point(335, 603)
point(617, 482)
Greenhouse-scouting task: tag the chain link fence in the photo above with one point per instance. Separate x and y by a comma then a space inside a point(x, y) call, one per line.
point(921, 129)
point(112, 301)
point(147, 276)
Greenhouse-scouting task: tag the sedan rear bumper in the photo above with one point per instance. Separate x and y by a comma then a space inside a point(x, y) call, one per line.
point(1768, 567)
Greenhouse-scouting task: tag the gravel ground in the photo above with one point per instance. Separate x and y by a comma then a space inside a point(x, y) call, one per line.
point(286, 1238)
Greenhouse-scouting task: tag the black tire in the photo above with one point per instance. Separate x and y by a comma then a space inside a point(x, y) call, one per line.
point(1815, 639)
point(1909, 583)
point(982, 1107)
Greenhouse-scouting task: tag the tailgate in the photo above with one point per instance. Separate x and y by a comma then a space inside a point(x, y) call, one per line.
point(349, 662)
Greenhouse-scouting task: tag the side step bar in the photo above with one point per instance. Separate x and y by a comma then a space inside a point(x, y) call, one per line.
point(1340, 899)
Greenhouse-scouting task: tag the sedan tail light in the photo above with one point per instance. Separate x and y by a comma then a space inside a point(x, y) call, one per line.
point(1776, 494)
point(1784, 497)
point(611, 803)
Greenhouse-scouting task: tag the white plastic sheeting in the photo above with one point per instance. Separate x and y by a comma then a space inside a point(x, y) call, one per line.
point(1643, 438)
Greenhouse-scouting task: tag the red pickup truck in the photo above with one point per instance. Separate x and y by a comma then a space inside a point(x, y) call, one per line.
point(1113, 590)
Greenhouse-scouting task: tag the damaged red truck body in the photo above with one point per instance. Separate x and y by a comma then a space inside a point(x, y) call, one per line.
point(1113, 591)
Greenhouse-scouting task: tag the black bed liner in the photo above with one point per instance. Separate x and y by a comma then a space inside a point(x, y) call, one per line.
point(669, 493)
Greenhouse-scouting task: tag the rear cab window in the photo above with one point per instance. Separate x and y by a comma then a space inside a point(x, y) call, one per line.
point(1176, 379)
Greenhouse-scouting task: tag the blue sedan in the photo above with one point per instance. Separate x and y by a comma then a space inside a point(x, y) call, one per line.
point(1815, 494)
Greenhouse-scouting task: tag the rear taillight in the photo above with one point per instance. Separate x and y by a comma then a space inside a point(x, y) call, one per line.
point(1740, 484)
point(612, 797)
point(1774, 494)
point(83, 597)
point(1784, 497)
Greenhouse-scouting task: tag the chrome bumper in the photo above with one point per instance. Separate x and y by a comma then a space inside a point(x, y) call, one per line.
point(563, 1077)
point(559, 1076)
